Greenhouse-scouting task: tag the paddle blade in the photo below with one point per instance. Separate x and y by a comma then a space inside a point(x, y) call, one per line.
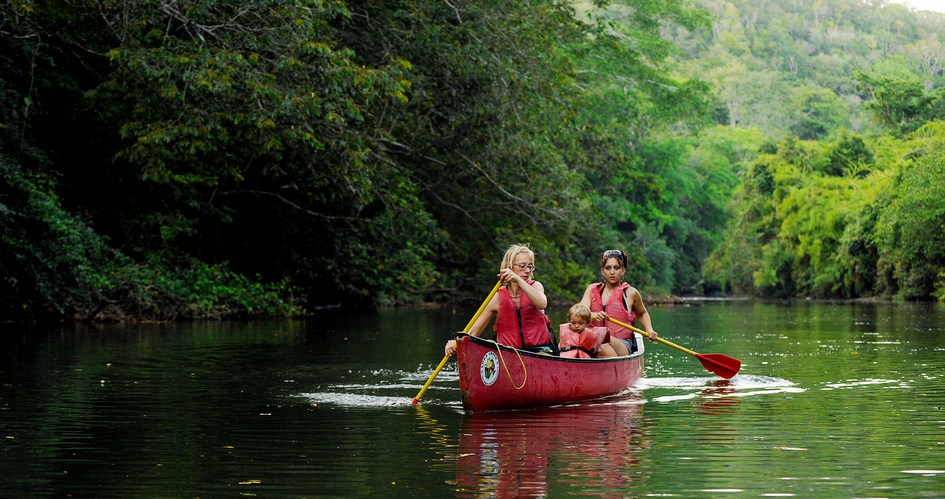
point(723, 365)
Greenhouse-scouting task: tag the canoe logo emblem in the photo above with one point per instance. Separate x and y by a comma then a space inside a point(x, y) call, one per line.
point(489, 369)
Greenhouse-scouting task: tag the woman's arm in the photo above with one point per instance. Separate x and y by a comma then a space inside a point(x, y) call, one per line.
point(479, 326)
point(536, 294)
point(639, 309)
point(485, 317)
point(586, 301)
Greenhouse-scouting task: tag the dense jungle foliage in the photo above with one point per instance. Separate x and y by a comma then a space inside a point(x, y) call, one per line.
point(845, 196)
point(213, 159)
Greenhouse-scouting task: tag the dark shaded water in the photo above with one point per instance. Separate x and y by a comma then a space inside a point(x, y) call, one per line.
point(832, 400)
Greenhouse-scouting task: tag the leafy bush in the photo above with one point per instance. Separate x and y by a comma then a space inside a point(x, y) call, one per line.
point(161, 290)
point(57, 267)
point(52, 262)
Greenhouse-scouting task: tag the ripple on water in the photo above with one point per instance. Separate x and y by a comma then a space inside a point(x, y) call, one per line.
point(714, 388)
point(356, 399)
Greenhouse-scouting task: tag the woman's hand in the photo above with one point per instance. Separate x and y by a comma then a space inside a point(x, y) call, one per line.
point(450, 348)
point(652, 336)
point(599, 316)
point(509, 275)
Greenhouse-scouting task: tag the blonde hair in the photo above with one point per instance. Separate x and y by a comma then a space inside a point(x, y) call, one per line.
point(514, 251)
point(580, 311)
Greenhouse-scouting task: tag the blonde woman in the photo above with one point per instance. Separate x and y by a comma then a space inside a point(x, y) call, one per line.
point(518, 306)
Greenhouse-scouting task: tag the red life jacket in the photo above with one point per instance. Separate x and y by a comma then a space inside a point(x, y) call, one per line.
point(526, 326)
point(616, 307)
point(584, 345)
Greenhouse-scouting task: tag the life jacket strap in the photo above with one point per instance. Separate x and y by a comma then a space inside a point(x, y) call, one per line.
point(576, 347)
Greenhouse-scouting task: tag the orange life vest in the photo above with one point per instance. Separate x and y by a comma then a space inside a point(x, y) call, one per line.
point(526, 326)
point(616, 307)
point(583, 345)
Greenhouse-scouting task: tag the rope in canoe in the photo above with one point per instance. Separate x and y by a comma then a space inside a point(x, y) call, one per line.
point(502, 361)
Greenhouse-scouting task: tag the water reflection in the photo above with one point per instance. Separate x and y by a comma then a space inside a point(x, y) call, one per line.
point(719, 399)
point(513, 454)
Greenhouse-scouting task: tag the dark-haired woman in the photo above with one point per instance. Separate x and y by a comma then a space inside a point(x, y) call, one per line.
point(617, 299)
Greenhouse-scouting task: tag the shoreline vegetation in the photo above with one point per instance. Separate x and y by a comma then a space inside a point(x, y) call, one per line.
point(109, 315)
point(657, 300)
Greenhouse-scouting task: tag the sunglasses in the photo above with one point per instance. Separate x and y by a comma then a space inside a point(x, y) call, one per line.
point(524, 266)
point(619, 255)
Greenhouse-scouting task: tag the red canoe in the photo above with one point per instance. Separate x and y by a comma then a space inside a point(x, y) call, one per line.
point(493, 377)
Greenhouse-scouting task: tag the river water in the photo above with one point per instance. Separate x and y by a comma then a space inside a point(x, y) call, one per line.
point(833, 400)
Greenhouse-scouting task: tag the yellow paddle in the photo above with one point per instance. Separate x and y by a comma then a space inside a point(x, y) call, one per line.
point(722, 365)
point(465, 330)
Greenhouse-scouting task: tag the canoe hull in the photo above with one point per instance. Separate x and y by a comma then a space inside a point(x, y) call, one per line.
point(493, 377)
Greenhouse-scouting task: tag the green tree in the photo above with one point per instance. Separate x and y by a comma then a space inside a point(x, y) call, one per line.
point(364, 150)
point(899, 105)
point(713, 164)
point(813, 219)
point(625, 147)
point(911, 244)
point(736, 265)
point(489, 122)
point(820, 113)
point(849, 156)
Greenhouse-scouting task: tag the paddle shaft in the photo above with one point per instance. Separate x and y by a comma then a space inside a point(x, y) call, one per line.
point(465, 330)
point(661, 340)
point(723, 365)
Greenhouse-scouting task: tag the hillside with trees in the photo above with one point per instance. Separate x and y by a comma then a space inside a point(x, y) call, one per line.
point(202, 159)
point(844, 196)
